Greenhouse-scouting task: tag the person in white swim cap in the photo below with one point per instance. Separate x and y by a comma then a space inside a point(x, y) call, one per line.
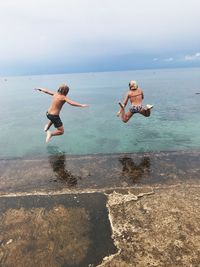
point(136, 96)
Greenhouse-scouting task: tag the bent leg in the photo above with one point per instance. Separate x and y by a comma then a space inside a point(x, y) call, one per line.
point(145, 112)
point(125, 116)
point(58, 131)
point(47, 126)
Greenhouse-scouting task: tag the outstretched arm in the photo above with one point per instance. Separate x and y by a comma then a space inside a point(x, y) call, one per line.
point(126, 100)
point(46, 91)
point(75, 104)
point(122, 106)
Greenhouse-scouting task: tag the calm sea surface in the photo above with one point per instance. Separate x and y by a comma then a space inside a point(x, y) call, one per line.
point(173, 125)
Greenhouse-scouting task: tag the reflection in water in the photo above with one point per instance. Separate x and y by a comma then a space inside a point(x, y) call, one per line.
point(135, 171)
point(57, 160)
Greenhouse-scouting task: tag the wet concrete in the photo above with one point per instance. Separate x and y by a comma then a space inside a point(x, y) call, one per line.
point(145, 214)
point(65, 230)
point(60, 171)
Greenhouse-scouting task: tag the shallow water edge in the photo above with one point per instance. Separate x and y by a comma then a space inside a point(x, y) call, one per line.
point(97, 172)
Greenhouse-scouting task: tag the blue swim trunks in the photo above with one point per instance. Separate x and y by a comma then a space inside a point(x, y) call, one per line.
point(135, 109)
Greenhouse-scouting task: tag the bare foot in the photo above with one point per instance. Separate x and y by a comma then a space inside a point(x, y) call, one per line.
point(48, 136)
point(118, 113)
point(149, 106)
point(46, 127)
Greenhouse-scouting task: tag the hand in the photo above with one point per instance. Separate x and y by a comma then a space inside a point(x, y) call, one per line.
point(37, 89)
point(85, 105)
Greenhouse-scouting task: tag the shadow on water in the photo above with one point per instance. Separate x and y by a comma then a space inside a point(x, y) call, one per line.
point(57, 161)
point(133, 170)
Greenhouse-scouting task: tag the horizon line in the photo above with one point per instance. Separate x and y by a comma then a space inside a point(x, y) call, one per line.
point(87, 72)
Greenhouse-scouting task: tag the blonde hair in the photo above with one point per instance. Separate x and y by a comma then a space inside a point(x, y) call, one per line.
point(63, 89)
point(133, 85)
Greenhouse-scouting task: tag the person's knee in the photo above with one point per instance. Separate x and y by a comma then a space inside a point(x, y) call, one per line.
point(125, 120)
point(148, 114)
point(61, 130)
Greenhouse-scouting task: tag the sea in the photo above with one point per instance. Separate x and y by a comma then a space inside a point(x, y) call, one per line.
point(174, 123)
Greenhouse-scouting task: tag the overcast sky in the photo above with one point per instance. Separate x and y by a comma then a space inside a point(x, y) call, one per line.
point(60, 36)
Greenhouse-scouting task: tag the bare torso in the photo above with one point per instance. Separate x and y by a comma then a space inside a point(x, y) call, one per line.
point(136, 97)
point(58, 101)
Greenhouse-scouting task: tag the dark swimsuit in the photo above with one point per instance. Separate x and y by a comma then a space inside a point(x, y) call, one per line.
point(55, 119)
point(136, 109)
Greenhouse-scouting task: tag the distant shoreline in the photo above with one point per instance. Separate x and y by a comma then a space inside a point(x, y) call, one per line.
point(6, 76)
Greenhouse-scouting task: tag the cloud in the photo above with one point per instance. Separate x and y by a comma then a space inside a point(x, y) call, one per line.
point(193, 57)
point(77, 32)
point(170, 59)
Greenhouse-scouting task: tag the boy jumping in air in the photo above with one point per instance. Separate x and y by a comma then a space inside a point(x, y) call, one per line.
point(59, 98)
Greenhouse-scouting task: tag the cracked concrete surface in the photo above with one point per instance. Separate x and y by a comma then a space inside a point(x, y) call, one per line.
point(133, 210)
point(156, 229)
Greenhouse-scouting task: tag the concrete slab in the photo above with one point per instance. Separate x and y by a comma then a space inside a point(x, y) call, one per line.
point(65, 230)
point(157, 229)
point(145, 214)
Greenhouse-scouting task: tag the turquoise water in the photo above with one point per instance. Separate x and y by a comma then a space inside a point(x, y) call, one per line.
point(173, 125)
